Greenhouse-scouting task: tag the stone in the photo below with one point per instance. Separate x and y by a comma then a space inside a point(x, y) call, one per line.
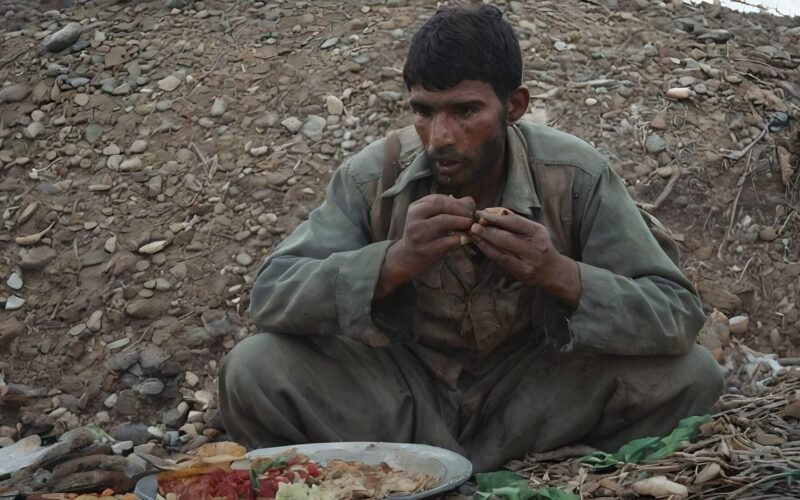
point(111, 401)
point(123, 89)
point(591, 101)
point(131, 164)
point(14, 302)
point(147, 308)
point(219, 107)
point(314, 127)
point(149, 387)
point(244, 259)
point(36, 257)
point(14, 281)
point(111, 149)
point(81, 99)
point(650, 50)
point(33, 130)
point(63, 38)
point(14, 93)
point(175, 4)
point(152, 357)
point(330, 42)
point(738, 324)
point(139, 146)
point(169, 83)
point(334, 105)
point(93, 132)
point(191, 379)
point(292, 124)
point(659, 122)
point(163, 284)
point(136, 433)
point(655, 144)
point(120, 447)
point(768, 234)
point(122, 361)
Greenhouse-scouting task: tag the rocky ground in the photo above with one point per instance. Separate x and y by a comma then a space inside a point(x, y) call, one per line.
point(152, 153)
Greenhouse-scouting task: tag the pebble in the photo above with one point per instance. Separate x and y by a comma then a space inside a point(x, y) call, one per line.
point(131, 164)
point(163, 105)
point(33, 130)
point(163, 284)
point(93, 132)
point(169, 83)
point(655, 144)
point(314, 127)
point(768, 234)
point(259, 151)
point(244, 259)
point(111, 401)
point(292, 124)
point(139, 146)
point(650, 50)
point(330, 42)
point(219, 107)
point(334, 105)
point(14, 302)
point(111, 149)
point(95, 322)
point(191, 379)
point(14, 93)
point(591, 101)
point(63, 38)
point(14, 281)
point(149, 387)
point(118, 344)
point(81, 99)
point(120, 447)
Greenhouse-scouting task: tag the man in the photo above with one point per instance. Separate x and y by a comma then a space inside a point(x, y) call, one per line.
point(560, 321)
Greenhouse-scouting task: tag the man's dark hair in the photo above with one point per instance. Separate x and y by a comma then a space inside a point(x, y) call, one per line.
point(463, 43)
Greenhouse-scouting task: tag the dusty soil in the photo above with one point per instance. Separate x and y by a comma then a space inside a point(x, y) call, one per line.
point(150, 166)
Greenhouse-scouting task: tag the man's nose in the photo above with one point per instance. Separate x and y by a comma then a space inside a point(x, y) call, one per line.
point(441, 132)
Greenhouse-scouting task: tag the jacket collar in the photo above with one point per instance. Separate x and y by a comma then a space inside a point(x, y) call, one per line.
point(519, 194)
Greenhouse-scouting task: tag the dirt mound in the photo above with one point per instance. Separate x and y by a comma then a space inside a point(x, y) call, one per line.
point(152, 153)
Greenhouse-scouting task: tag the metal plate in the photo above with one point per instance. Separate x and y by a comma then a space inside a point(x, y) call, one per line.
point(450, 468)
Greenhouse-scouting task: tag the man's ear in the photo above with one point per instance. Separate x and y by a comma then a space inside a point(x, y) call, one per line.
point(518, 102)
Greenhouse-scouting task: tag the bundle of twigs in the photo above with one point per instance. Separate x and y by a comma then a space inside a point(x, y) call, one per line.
point(750, 450)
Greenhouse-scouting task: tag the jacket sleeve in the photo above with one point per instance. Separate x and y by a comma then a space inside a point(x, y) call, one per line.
point(321, 279)
point(635, 301)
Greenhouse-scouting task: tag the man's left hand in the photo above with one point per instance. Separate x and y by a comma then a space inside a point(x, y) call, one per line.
point(524, 248)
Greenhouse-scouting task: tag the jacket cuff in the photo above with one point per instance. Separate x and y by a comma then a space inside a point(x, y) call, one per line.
point(591, 326)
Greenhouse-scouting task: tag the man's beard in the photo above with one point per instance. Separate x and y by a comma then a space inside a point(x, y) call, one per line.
point(472, 169)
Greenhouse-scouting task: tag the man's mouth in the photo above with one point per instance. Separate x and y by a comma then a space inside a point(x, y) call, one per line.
point(447, 165)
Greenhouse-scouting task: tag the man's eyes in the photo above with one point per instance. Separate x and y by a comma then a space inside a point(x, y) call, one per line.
point(466, 111)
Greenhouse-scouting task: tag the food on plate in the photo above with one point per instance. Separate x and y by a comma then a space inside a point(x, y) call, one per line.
point(289, 476)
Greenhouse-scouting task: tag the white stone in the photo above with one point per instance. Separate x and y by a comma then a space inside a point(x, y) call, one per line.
point(169, 83)
point(14, 281)
point(335, 106)
point(13, 303)
point(139, 146)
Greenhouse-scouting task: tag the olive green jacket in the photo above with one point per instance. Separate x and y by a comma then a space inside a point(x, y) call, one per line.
point(466, 311)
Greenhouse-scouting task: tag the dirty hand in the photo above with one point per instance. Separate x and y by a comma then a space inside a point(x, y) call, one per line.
point(434, 227)
point(524, 248)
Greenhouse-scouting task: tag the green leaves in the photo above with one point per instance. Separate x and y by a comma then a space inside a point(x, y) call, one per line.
point(508, 485)
point(649, 448)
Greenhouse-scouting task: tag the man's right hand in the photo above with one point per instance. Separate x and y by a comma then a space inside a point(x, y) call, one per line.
point(434, 225)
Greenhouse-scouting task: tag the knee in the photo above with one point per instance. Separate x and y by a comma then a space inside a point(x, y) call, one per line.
point(257, 360)
point(708, 376)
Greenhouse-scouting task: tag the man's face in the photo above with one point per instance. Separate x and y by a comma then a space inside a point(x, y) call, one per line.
point(463, 131)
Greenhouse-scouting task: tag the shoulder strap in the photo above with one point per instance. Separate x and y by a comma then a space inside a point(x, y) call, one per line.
point(381, 211)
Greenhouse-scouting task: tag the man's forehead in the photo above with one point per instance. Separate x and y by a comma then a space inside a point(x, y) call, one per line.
point(465, 91)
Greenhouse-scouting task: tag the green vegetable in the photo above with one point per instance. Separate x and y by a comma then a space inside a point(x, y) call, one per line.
point(648, 448)
point(277, 463)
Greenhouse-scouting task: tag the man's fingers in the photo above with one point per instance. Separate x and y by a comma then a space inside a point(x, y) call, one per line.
point(507, 220)
point(510, 242)
point(435, 204)
point(505, 259)
point(443, 224)
point(443, 245)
